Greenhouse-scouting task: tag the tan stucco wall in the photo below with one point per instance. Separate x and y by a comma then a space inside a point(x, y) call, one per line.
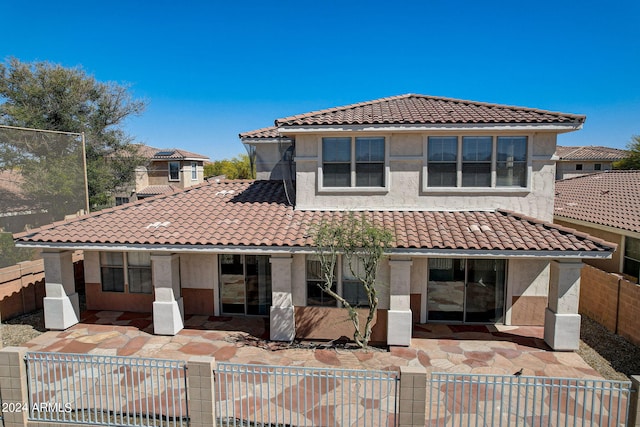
point(158, 174)
point(406, 181)
point(567, 169)
point(269, 163)
point(527, 291)
point(197, 271)
point(325, 323)
point(610, 265)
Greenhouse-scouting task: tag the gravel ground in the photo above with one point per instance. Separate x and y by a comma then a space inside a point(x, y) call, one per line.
point(612, 356)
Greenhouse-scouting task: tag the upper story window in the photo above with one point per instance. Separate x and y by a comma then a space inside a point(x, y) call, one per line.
point(476, 161)
point(174, 171)
point(579, 167)
point(353, 162)
point(511, 161)
point(194, 171)
point(443, 161)
point(597, 167)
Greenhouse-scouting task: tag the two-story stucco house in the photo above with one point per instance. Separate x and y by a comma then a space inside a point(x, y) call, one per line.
point(466, 188)
point(166, 170)
point(579, 161)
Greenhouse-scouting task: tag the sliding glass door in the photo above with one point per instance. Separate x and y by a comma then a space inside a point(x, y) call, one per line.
point(245, 284)
point(466, 290)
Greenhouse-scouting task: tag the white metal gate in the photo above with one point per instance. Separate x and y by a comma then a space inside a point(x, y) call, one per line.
point(508, 400)
point(106, 390)
point(261, 395)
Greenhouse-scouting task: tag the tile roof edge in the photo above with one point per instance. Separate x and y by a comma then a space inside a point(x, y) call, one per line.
point(607, 172)
point(582, 235)
point(18, 236)
point(280, 121)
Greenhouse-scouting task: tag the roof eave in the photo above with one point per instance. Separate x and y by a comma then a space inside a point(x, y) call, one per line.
point(400, 127)
point(275, 140)
point(482, 253)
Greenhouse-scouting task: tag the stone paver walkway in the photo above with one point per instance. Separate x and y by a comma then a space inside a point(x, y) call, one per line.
point(439, 348)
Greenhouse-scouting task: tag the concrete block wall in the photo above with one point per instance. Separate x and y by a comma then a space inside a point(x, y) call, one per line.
point(13, 383)
point(413, 396)
point(612, 301)
point(629, 311)
point(599, 296)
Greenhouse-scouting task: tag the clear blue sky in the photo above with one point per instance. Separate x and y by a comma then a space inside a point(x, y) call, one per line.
point(211, 70)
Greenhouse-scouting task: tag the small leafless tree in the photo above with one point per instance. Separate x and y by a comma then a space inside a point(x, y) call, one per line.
point(362, 244)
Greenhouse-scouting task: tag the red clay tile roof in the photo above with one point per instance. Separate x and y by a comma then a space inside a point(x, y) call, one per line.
point(270, 132)
point(609, 198)
point(255, 213)
point(590, 152)
point(421, 109)
point(154, 190)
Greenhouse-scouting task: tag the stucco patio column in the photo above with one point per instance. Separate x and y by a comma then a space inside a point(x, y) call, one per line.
point(168, 311)
point(61, 306)
point(561, 320)
point(399, 321)
point(282, 322)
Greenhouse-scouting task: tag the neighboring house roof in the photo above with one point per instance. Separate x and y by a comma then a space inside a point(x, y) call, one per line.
point(610, 198)
point(590, 152)
point(256, 213)
point(168, 153)
point(154, 190)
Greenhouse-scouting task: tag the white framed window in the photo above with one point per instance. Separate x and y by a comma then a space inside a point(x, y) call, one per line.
point(511, 161)
point(194, 171)
point(316, 297)
point(597, 167)
point(442, 161)
point(174, 171)
point(345, 284)
point(112, 271)
point(359, 162)
point(476, 162)
point(137, 266)
point(631, 263)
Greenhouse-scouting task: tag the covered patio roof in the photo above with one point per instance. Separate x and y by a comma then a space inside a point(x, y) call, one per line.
point(255, 214)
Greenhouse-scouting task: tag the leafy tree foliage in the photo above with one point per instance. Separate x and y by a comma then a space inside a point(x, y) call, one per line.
point(632, 161)
point(238, 167)
point(43, 95)
point(9, 254)
point(362, 246)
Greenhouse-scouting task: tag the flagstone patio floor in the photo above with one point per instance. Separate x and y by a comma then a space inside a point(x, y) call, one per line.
point(502, 350)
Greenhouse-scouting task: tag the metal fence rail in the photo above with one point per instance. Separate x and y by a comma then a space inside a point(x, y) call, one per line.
point(507, 400)
point(106, 390)
point(260, 395)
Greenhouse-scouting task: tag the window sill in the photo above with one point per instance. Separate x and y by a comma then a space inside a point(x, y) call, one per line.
point(478, 190)
point(174, 180)
point(353, 190)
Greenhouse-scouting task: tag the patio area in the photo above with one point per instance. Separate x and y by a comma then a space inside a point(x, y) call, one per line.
point(439, 348)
